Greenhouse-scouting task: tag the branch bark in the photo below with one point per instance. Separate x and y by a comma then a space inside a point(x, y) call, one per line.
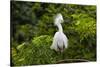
point(72, 60)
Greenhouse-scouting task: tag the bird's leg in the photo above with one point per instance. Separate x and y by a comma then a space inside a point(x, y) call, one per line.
point(62, 54)
point(63, 50)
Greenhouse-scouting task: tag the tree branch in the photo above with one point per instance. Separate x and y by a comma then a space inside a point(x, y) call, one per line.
point(72, 60)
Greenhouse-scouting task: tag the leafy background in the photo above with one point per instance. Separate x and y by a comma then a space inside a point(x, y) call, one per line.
point(32, 31)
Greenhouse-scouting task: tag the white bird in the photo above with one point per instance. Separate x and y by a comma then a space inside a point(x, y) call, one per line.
point(60, 41)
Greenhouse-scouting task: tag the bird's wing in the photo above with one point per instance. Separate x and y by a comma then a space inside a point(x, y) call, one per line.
point(54, 44)
point(65, 40)
point(58, 41)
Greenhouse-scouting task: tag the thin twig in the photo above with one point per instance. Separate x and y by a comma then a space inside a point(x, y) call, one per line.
point(72, 60)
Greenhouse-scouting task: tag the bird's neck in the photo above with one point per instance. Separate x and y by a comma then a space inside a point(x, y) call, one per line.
point(60, 28)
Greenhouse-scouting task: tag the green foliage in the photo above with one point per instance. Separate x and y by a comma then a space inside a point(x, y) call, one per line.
point(33, 29)
point(38, 52)
point(45, 39)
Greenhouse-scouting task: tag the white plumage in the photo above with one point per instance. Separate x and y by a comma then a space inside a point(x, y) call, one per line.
point(60, 40)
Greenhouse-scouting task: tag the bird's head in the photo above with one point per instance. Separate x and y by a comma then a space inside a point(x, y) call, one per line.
point(58, 19)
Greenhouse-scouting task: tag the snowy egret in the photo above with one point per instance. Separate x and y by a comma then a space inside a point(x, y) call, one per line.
point(60, 41)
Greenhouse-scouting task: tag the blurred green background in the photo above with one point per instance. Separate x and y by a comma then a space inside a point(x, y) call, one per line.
point(32, 31)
